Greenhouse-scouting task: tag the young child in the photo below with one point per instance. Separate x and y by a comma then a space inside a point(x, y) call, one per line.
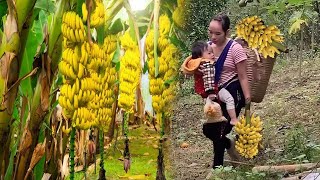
point(201, 64)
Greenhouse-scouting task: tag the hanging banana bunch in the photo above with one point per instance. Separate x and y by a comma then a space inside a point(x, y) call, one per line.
point(267, 39)
point(103, 76)
point(72, 27)
point(179, 15)
point(77, 89)
point(161, 89)
point(97, 17)
point(129, 74)
point(162, 69)
point(249, 132)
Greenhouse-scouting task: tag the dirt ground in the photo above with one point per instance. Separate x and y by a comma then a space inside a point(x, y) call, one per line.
point(289, 100)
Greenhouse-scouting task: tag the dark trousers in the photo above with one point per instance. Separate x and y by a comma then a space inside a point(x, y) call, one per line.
point(217, 132)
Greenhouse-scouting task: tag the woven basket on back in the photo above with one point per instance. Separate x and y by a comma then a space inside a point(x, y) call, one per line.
point(259, 73)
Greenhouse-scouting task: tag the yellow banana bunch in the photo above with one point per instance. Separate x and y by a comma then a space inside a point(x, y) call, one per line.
point(157, 103)
point(164, 25)
point(161, 87)
point(98, 15)
point(67, 44)
point(150, 46)
point(129, 74)
point(163, 43)
point(89, 84)
point(156, 86)
point(83, 118)
point(72, 27)
point(110, 44)
point(110, 76)
point(249, 136)
point(80, 95)
point(83, 59)
point(70, 66)
point(103, 117)
point(67, 70)
point(103, 78)
point(258, 35)
point(99, 79)
point(178, 17)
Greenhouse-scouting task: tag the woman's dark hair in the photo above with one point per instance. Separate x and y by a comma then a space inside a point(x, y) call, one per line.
point(224, 20)
point(197, 49)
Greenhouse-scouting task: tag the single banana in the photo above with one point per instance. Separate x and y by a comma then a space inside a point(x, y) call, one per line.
point(73, 38)
point(84, 12)
point(81, 71)
point(81, 36)
point(75, 102)
point(76, 33)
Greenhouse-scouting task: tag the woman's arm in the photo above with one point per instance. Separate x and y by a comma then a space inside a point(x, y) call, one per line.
point(243, 78)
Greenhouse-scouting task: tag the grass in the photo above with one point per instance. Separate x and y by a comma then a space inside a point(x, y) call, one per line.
point(143, 149)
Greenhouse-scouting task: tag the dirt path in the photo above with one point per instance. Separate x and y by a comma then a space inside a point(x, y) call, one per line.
point(192, 162)
point(289, 101)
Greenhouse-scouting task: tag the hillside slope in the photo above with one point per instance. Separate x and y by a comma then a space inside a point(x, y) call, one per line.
point(289, 101)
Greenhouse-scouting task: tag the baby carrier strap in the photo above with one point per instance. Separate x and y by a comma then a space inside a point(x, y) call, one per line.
point(219, 67)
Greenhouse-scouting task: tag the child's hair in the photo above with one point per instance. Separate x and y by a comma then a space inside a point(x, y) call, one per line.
point(198, 48)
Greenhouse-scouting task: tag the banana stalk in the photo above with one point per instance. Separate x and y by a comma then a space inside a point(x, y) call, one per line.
point(72, 143)
point(160, 159)
point(102, 172)
point(156, 35)
point(126, 152)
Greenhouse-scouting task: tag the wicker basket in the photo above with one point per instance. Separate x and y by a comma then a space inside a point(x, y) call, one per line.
point(259, 72)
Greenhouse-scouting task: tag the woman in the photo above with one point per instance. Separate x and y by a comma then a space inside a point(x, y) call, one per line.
point(234, 79)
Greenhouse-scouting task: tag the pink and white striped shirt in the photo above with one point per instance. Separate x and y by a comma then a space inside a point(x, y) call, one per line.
point(235, 55)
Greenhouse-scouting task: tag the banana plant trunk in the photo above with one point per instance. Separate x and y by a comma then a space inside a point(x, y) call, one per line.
point(41, 99)
point(16, 29)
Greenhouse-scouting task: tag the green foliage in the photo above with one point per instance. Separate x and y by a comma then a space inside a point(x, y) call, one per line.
point(199, 13)
point(228, 172)
point(14, 144)
point(298, 147)
point(186, 86)
point(116, 27)
point(45, 5)
point(34, 40)
point(3, 11)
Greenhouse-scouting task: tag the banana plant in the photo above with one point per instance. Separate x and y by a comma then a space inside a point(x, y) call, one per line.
point(16, 29)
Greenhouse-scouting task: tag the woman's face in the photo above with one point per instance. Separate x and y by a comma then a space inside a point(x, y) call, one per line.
point(216, 33)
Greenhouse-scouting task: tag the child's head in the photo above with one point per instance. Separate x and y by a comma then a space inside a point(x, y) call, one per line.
point(201, 49)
